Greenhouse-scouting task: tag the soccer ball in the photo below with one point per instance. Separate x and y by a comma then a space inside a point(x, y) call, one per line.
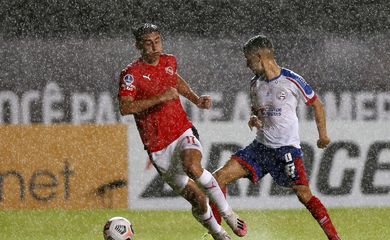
point(118, 228)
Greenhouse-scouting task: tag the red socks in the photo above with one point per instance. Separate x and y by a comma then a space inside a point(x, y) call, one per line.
point(319, 212)
point(314, 205)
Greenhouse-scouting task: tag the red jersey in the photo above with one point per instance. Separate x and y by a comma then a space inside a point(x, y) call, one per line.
point(161, 124)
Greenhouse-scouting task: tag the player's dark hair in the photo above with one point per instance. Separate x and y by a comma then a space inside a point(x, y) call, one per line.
point(256, 43)
point(144, 29)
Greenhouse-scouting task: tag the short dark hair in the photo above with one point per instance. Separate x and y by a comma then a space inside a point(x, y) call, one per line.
point(258, 42)
point(144, 29)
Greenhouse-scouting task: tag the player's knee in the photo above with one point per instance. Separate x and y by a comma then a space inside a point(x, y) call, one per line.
point(303, 193)
point(189, 168)
point(193, 171)
point(192, 166)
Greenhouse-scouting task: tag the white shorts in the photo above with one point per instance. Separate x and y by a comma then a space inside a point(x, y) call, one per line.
point(168, 161)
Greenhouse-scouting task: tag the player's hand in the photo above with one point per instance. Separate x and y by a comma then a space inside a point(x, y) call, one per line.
point(254, 121)
point(169, 94)
point(323, 142)
point(204, 102)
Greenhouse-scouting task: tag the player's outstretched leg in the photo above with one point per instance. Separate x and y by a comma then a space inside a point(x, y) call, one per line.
point(191, 159)
point(212, 189)
point(319, 212)
point(201, 210)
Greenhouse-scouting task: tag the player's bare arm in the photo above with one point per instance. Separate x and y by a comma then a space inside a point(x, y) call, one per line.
point(127, 104)
point(203, 102)
point(319, 114)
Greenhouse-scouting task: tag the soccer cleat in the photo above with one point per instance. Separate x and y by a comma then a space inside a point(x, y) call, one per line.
point(207, 236)
point(221, 235)
point(235, 223)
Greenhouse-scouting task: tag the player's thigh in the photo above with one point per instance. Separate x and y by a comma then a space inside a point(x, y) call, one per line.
point(169, 166)
point(191, 160)
point(190, 150)
point(176, 180)
point(231, 171)
point(288, 175)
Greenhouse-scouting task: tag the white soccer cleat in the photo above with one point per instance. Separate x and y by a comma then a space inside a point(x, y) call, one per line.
point(221, 235)
point(207, 236)
point(235, 223)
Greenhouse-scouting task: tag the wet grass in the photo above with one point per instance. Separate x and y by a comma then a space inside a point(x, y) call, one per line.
point(352, 223)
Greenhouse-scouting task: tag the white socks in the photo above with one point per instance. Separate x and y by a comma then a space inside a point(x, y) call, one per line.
point(213, 191)
point(208, 220)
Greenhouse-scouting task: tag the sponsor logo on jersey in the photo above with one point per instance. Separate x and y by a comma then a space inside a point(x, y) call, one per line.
point(270, 111)
point(146, 76)
point(169, 70)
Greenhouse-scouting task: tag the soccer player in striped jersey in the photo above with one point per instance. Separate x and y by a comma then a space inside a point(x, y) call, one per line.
point(275, 92)
point(149, 89)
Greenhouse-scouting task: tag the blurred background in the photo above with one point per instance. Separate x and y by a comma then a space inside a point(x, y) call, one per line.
point(63, 145)
point(74, 50)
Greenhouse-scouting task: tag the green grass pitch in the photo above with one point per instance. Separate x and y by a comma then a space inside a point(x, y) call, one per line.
point(352, 223)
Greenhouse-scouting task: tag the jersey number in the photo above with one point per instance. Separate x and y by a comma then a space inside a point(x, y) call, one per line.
point(190, 139)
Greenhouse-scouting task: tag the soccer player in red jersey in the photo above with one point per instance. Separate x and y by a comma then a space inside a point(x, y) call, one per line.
point(275, 92)
point(149, 89)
